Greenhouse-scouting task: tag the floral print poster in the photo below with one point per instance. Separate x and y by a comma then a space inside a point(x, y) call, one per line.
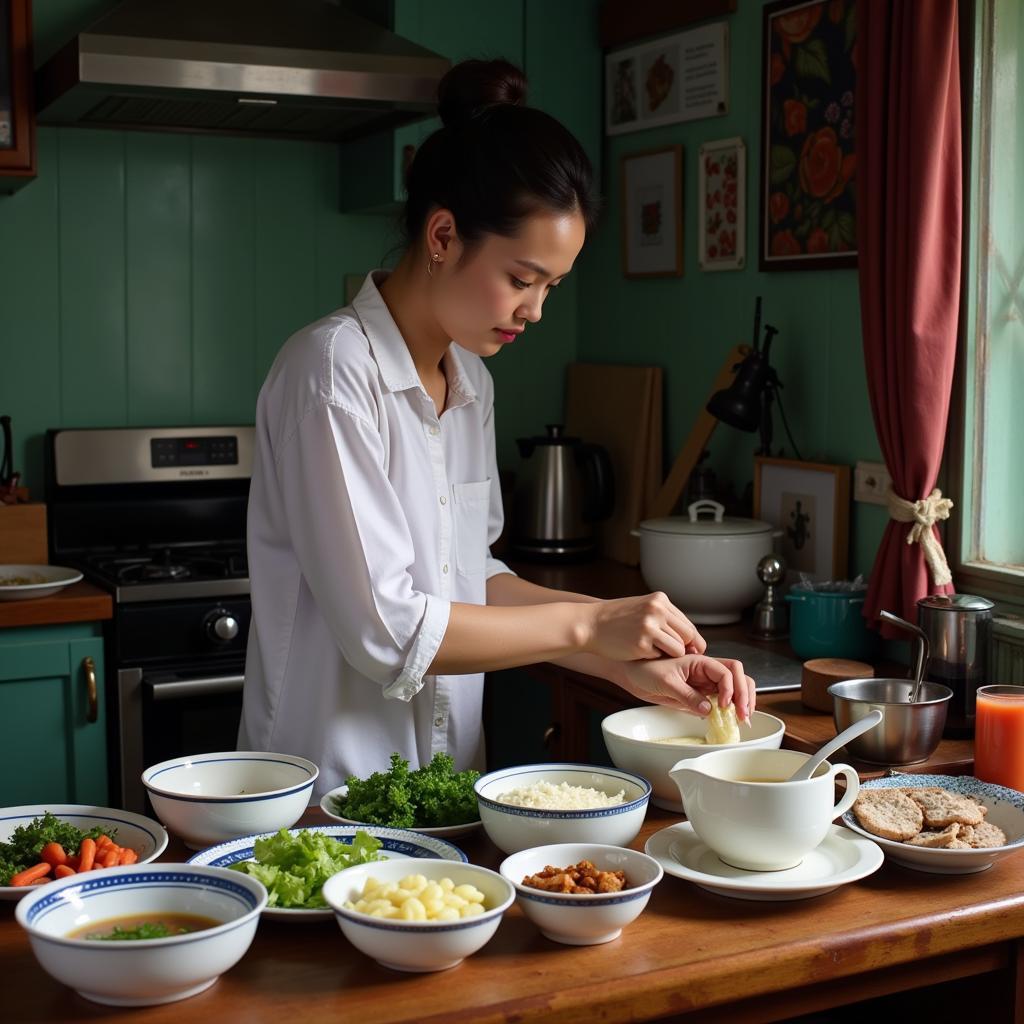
point(722, 208)
point(808, 197)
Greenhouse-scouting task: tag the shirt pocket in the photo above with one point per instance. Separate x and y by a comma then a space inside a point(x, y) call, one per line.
point(471, 513)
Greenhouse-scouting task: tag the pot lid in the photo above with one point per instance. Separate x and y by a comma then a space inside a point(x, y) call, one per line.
point(956, 603)
point(719, 526)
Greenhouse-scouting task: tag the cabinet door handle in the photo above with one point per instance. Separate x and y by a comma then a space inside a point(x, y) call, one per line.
point(89, 667)
point(551, 734)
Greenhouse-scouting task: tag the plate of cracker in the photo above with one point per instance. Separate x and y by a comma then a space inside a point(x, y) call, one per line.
point(946, 824)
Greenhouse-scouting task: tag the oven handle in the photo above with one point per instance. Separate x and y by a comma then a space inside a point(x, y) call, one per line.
point(180, 689)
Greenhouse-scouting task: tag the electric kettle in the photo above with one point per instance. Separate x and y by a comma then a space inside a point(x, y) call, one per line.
point(563, 489)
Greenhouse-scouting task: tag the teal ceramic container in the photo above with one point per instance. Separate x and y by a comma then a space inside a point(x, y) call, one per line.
point(829, 624)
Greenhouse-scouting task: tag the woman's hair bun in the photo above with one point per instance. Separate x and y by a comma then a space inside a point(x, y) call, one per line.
point(473, 86)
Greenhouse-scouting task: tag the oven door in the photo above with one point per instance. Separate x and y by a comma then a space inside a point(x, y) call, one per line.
point(170, 714)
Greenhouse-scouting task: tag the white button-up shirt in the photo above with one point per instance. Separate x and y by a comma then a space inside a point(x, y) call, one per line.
point(368, 516)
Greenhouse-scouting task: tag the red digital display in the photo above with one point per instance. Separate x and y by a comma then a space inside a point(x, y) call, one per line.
point(191, 445)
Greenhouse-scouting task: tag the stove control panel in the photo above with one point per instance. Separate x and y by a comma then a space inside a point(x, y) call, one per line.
point(166, 452)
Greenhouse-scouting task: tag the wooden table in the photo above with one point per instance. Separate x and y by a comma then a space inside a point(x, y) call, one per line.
point(690, 956)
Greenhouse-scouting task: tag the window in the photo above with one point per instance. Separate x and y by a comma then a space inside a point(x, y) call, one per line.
point(989, 548)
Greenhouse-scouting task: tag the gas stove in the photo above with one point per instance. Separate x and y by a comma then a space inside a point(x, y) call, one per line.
point(156, 516)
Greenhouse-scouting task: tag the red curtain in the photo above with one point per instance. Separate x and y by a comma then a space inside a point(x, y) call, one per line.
point(909, 194)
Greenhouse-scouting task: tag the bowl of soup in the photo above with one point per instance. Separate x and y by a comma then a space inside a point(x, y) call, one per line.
point(143, 934)
point(651, 740)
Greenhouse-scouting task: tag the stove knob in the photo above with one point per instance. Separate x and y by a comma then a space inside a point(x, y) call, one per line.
point(221, 627)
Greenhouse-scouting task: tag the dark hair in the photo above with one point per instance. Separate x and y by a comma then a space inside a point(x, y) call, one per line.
point(495, 160)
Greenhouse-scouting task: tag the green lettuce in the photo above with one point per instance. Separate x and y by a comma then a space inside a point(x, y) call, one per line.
point(295, 867)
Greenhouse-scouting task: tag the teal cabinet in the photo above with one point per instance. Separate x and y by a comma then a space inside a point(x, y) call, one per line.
point(53, 744)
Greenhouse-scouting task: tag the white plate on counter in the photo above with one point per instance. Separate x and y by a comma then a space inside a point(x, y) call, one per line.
point(148, 838)
point(841, 858)
point(397, 843)
point(441, 831)
point(1005, 809)
point(36, 580)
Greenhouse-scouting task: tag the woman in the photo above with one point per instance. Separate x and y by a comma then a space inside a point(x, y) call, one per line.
point(376, 603)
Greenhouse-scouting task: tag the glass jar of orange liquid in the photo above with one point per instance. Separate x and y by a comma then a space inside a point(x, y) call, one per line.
point(999, 736)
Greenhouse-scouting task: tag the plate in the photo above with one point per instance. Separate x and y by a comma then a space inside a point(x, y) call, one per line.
point(144, 835)
point(46, 580)
point(840, 859)
point(397, 843)
point(444, 831)
point(1005, 809)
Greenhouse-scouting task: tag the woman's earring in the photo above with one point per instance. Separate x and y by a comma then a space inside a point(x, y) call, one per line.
point(434, 258)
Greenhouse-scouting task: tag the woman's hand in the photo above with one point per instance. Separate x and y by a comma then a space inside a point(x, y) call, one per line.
point(649, 626)
point(690, 683)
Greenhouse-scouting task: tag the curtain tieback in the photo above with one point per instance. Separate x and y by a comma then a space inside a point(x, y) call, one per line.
point(924, 514)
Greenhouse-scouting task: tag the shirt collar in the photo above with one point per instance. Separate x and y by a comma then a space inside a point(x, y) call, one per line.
point(397, 369)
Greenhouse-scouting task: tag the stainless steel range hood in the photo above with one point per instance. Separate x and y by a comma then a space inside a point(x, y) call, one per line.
point(300, 69)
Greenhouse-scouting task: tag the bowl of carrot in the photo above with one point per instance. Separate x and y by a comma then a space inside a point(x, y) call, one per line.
point(41, 843)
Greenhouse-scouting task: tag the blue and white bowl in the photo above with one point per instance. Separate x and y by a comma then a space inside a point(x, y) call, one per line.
point(396, 844)
point(1005, 809)
point(418, 946)
point(583, 919)
point(211, 798)
point(513, 828)
point(148, 971)
point(141, 834)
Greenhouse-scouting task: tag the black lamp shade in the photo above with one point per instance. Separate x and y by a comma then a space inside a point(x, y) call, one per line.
point(739, 405)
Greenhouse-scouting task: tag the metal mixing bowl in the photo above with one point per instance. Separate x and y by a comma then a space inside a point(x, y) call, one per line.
point(907, 734)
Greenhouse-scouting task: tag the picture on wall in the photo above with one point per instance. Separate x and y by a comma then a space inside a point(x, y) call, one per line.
point(809, 502)
point(676, 78)
point(721, 205)
point(652, 213)
point(808, 161)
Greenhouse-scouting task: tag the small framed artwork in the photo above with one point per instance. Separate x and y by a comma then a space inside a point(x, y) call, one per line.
point(676, 78)
point(721, 205)
point(808, 159)
point(652, 213)
point(810, 503)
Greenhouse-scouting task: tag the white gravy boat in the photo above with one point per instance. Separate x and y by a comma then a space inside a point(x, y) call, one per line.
point(751, 820)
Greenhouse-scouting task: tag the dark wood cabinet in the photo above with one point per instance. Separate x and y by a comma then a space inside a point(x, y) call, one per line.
point(17, 118)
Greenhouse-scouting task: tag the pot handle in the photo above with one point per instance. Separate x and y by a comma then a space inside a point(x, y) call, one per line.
point(705, 505)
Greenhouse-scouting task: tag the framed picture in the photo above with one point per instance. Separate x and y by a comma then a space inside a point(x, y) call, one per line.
point(721, 205)
point(807, 196)
point(652, 213)
point(677, 78)
point(810, 503)
point(17, 118)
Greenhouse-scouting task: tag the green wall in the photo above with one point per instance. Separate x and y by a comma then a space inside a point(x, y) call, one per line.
point(688, 324)
point(150, 279)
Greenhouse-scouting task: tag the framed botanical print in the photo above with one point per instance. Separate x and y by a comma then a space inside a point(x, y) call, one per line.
point(721, 205)
point(652, 213)
point(808, 160)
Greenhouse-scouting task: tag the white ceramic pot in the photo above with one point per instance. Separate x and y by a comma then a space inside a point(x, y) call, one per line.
point(708, 567)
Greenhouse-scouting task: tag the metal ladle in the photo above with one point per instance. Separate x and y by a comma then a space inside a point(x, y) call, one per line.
point(922, 650)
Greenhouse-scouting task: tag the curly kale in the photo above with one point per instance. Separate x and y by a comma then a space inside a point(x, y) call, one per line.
point(431, 796)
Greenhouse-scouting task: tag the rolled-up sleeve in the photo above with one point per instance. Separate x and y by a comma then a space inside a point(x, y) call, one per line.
point(355, 550)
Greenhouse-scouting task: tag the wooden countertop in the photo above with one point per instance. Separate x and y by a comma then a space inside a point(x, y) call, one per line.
point(81, 602)
point(689, 953)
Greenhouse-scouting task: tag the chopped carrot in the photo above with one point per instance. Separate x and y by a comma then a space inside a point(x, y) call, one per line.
point(128, 856)
point(41, 881)
point(108, 858)
point(63, 870)
point(103, 840)
point(29, 875)
point(87, 852)
point(53, 853)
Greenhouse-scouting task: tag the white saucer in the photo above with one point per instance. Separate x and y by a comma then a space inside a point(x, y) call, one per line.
point(841, 858)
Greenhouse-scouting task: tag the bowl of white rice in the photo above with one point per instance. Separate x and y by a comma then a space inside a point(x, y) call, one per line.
point(539, 804)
